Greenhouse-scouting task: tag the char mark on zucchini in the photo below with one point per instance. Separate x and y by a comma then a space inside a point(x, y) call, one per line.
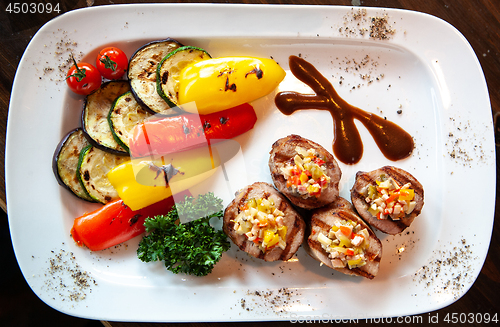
point(142, 75)
point(170, 67)
point(93, 166)
point(65, 162)
point(124, 115)
point(95, 116)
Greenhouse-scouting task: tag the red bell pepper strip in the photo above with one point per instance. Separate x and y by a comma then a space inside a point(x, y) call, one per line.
point(319, 162)
point(183, 132)
point(115, 223)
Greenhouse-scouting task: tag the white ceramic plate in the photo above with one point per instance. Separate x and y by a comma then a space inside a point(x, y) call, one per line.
point(425, 68)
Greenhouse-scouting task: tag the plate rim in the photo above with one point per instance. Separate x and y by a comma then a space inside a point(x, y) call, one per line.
point(235, 7)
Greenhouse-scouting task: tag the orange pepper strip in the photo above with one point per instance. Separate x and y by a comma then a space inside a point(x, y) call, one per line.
point(392, 197)
point(345, 230)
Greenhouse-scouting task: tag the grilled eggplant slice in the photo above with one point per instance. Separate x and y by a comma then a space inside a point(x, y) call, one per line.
point(169, 69)
point(263, 223)
point(304, 172)
point(95, 116)
point(388, 198)
point(93, 166)
point(142, 74)
point(331, 240)
point(125, 114)
point(65, 162)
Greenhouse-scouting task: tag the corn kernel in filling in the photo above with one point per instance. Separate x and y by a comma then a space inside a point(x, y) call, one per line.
point(262, 223)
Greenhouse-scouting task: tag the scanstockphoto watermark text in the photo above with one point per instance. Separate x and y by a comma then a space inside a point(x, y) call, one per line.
point(430, 318)
point(327, 318)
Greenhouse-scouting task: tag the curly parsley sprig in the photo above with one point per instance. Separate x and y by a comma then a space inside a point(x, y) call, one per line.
point(192, 248)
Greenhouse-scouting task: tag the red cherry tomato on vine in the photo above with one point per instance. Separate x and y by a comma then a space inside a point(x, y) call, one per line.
point(83, 78)
point(112, 63)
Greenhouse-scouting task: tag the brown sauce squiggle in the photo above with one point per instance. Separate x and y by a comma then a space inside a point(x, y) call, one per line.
point(394, 142)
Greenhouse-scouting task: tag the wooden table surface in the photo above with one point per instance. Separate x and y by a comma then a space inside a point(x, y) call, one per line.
point(477, 20)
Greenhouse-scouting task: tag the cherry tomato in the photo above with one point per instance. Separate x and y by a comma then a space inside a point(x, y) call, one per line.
point(83, 78)
point(112, 63)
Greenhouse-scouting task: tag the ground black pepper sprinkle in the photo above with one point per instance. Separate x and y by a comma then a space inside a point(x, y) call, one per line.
point(380, 28)
point(61, 46)
point(65, 278)
point(401, 245)
point(354, 23)
point(464, 143)
point(279, 301)
point(448, 271)
point(358, 23)
point(364, 67)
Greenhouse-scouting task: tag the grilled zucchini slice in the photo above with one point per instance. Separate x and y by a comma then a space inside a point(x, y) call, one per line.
point(125, 114)
point(93, 167)
point(95, 116)
point(169, 69)
point(142, 74)
point(65, 162)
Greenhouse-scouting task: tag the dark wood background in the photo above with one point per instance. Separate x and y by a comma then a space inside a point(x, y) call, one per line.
point(477, 20)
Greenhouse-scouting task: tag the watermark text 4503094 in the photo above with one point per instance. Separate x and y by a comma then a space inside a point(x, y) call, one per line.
point(32, 8)
point(430, 318)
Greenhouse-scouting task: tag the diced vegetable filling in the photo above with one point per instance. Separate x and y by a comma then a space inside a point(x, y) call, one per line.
point(389, 200)
point(346, 244)
point(305, 173)
point(262, 223)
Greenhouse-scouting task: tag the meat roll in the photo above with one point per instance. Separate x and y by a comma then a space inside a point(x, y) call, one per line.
point(263, 223)
point(341, 240)
point(388, 198)
point(304, 172)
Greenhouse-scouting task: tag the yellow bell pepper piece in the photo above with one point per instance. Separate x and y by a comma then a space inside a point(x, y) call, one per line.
point(312, 189)
point(406, 194)
point(303, 177)
point(356, 263)
point(252, 203)
point(222, 83)
point(344, 241)
point(268, 235)
point(142, 182)
point(270, 238)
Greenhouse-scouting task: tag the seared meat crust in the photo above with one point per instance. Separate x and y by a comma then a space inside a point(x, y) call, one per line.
point(402, 177)
point(322, 221)
point(283, 150)
point(292, 220)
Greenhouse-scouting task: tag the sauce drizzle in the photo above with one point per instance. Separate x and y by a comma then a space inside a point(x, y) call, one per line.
point(394, 142)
